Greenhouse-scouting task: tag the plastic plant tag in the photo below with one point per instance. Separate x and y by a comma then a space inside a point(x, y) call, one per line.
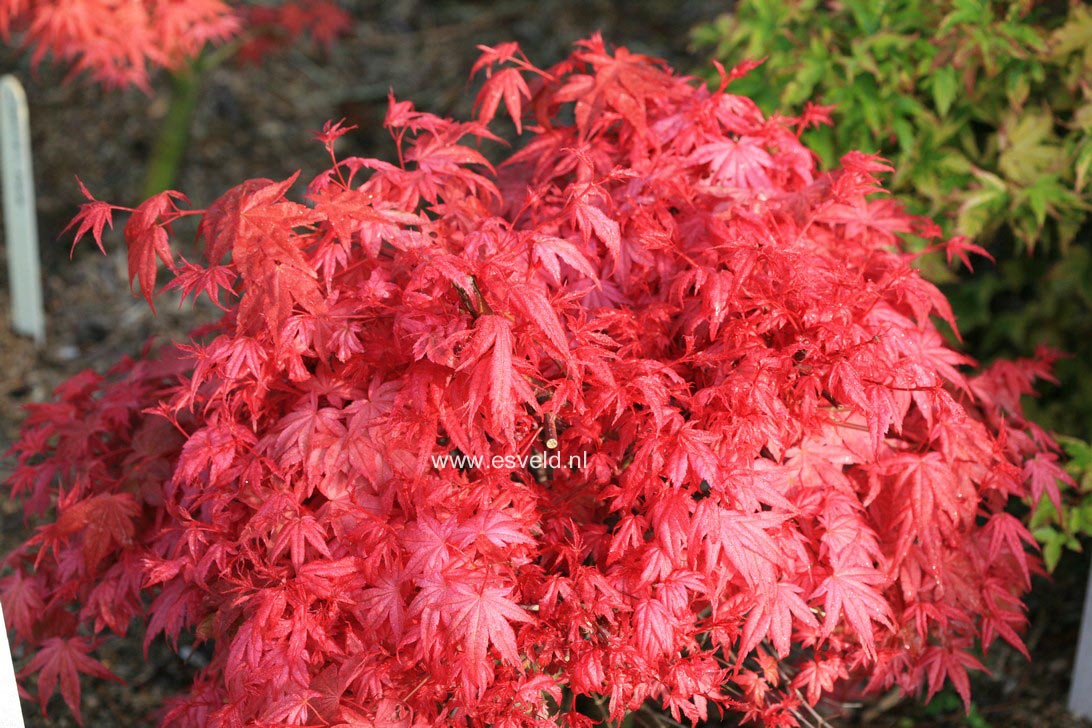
point(20, 223)
point(11, 714)
point(1080, 691)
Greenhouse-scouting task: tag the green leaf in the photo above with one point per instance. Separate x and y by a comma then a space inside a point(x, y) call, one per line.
point(861, 52)
point(1079, 465)
point(945, 83)
point(1079, 452)
point(1082, 166)
point(802, 87)
point(1052, 550)
point(821, 141)
point(1082, 117)
point(904, 133)
point(1046, 197)
point(1082, 518)
point(1043, 516)
point(1039, 198)
point(1030, 148)
point(1074, 35)
point(712, 35)
point(866, 14)
point(981, 207)
point(1076, 520)
point(870, 105)
point(966, 12)
point(1017, 88)
point(945, 701)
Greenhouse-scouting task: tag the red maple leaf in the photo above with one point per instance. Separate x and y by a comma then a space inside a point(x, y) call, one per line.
point(92, 217)
point(852, 593)
point(221, 224)
point(275, 272)
point(481, 616)
point(507, 84)
point(105, 521)
point(146, 236)
point(63, 660)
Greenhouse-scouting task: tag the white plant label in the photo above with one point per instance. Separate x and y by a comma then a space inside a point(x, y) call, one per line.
point(1080, 689)
point(20, 221)
point(11, 713)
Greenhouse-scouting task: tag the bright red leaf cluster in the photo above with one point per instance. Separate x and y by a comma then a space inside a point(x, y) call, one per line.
point(786, 485)
point(117, 42)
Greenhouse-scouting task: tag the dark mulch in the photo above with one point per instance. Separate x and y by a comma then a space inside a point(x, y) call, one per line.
point(255, 122)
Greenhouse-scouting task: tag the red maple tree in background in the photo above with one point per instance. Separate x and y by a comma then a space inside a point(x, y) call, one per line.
point(787, 486)
point(118, 43)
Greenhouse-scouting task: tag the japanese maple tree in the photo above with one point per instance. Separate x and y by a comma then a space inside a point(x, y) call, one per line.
point(118, 43)
point(786, 485)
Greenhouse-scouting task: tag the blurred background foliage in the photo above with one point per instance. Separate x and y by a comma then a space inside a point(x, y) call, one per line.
point(985, 110)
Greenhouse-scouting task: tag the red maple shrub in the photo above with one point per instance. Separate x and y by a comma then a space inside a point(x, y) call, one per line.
point(117, 43)
point(654, 409)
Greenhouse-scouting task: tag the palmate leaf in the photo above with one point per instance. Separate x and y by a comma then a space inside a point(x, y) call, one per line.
point(553, 251)
point(482, 616)
point(221, 224)
point(1044, 474)
point(507, 84)
point(193, 280)
point(92, 218)
point(61, 660)
point(852, 592)
point(146, 237)
point(959, 246)
point(493, 374)
point(654, 627)
point(1074, 35)
point(820, 676)
point(276, 275)
point(296, 535)
point(1031, 149)
point(943, 663)
point(22, 599)
point(980, 207)
point(591, 220)
point(743, 163)
point(104, 522)
point(772, 618)
point(537, 307)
